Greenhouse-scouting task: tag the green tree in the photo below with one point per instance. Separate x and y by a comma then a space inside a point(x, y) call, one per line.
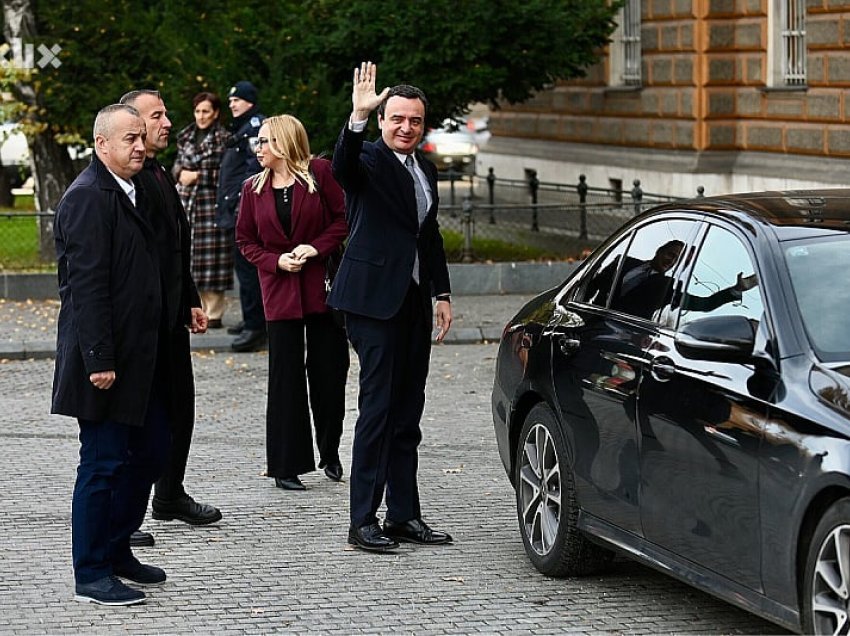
point(299, 54)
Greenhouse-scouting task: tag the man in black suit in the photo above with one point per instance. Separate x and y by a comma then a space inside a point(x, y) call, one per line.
point(393, 265)
point(181, 309)
point(106, 358)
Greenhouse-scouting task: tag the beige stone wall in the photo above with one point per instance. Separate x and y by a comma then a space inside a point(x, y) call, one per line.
point(705, 87)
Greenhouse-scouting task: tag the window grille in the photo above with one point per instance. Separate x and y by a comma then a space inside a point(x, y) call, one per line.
point(794, 42)
point(631, 42)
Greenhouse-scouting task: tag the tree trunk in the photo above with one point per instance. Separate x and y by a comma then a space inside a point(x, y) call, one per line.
point(51, 164)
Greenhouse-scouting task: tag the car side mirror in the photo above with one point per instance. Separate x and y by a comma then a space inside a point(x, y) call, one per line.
point(717, 338)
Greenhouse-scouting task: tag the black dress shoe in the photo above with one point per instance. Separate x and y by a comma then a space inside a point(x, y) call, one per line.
point(140, 573)
point(214, 323)
point(333, 471)
point(141, 539)
point(185, 509)
point(415, 531)
point(289, 483)
point(370, 538)
point(236, 329)
point(249, 340)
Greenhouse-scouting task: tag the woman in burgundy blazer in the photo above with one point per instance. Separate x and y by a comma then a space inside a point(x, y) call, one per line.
point(291, 217)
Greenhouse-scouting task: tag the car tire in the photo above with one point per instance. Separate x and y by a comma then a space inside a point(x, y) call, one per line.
point(547, 509)
point(826, 582)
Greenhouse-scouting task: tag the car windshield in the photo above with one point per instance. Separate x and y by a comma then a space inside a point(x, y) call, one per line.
point(816, 267)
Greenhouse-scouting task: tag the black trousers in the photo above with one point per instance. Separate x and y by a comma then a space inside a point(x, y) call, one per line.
point(250, 295)
point(174, 373)
point(394, 356)
point(289, 441)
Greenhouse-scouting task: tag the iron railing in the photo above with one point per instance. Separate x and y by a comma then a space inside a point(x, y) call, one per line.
point(482, 218)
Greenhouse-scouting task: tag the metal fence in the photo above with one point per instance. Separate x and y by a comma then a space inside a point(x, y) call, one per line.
point(482, 219)
point(26, 241)
point(543, 220)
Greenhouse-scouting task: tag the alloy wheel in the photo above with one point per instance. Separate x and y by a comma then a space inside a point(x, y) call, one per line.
point(539, 489)
point(831, 583)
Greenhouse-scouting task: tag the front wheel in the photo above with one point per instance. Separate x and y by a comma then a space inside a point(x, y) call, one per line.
point(826, 583)
point(546, 503)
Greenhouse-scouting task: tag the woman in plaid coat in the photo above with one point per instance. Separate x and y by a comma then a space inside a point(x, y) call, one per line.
point(199, 149)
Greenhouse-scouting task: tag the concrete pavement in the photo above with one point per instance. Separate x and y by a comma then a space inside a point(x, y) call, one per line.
point(278, 561)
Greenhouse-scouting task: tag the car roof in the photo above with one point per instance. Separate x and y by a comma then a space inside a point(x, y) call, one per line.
point(792, 213)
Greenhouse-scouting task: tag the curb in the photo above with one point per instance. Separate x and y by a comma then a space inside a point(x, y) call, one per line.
point(468, 279)
point(45, 349)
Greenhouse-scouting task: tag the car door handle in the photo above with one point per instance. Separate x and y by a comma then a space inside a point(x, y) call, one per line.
point(662, 368)
point(722, 437)
point(568, 346)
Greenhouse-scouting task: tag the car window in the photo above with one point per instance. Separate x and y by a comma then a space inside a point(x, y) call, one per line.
point(600, 277)
point(645, 282)
point(816, 268)
point(723, 281)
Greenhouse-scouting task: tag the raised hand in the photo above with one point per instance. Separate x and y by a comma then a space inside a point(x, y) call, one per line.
point(364, 99)
point(746, 283)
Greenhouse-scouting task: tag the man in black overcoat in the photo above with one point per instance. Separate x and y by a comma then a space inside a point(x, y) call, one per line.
point(181, 309)
point(393, 265)
point(106, 358)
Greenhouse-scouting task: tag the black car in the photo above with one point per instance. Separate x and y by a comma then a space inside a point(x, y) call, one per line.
point(684, 399)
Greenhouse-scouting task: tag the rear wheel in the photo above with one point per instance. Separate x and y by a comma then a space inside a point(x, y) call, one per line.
point(826, 586)
point(546, 504)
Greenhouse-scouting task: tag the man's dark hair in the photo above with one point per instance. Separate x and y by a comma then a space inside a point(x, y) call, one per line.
point(131, 97)
point(408, 92)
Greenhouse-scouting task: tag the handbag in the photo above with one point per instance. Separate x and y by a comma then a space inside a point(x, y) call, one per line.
point(332, 267)
point(332, 261)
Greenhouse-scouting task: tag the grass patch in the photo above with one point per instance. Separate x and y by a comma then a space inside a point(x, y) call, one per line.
point(19, 243)
point(498, 251)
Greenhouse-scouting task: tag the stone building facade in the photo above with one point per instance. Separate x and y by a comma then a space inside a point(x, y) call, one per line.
point(733, 95)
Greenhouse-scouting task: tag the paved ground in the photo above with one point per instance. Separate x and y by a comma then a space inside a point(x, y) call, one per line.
point(278, 561)
point(28, 328)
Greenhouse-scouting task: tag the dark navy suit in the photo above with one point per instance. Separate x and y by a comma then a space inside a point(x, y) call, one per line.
point(388, 318)
point(109, 286)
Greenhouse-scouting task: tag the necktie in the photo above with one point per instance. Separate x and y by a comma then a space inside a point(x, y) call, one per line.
point(421, 199)
point(421, 207)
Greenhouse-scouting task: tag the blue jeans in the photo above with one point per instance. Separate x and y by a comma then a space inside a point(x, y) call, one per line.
point(118, 465)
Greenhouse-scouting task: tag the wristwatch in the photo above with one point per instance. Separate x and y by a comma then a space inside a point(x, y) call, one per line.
point(444, 297)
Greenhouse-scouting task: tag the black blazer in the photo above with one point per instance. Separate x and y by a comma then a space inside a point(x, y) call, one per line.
point(109, 286)
point(173, 242)
point(384, 231)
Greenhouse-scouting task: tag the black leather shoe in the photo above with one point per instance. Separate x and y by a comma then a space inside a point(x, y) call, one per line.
point(108, 591)
point(415, 531)
point(289, 483)
point(236, 329)
point(370, 538)
point(249, 340)
point(214, 323)
point(141, 539)
point(139, 572)
point(185, 509)
point(334, 471)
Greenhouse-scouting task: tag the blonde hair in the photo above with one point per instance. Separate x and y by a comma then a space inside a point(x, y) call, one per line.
point(288, 141)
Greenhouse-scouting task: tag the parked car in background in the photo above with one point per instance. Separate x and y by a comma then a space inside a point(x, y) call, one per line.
point(684, 399)
point(14, 154)
point(455, 144)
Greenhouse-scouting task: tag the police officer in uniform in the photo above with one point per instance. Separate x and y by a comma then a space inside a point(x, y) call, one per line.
point(237, 164)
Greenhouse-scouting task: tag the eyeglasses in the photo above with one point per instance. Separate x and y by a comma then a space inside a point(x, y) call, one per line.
point(257, 143)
